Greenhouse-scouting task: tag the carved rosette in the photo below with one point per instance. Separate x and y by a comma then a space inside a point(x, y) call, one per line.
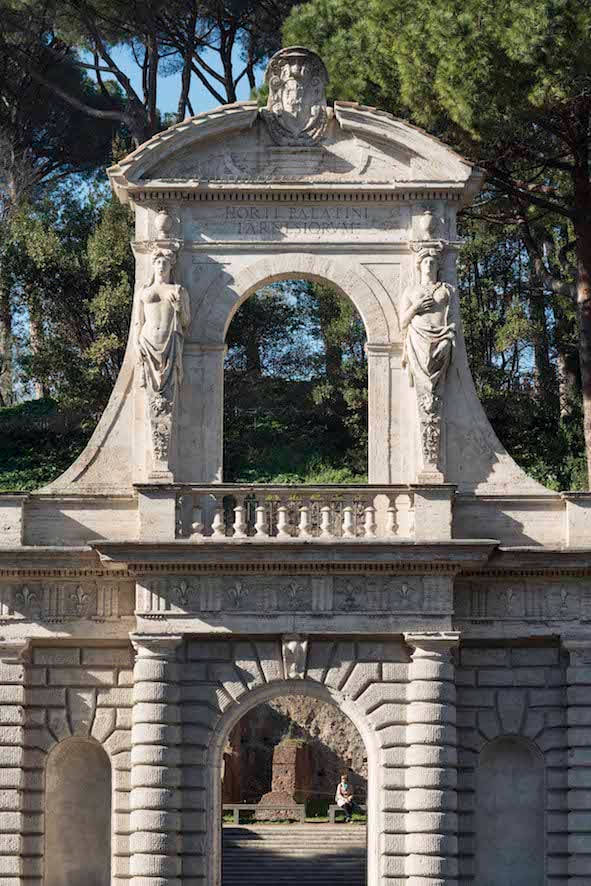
point(296, 112)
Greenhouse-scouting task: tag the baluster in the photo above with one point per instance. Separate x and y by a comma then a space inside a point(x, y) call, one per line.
point(260, 525)
point(370, 522)
point(217, 526)
point(196, 522)
point(239, 521)
point(325, 530)
point(304, 524)
point(348, 530)
point(391, 518)
point(282, 522)
point(179, 529)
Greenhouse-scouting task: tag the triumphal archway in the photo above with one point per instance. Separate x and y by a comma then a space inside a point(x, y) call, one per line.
point(145, 604)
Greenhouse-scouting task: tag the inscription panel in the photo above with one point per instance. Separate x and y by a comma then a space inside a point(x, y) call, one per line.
point(209, 223)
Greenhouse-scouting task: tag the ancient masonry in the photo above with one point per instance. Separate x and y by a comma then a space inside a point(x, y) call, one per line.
point(146, 606)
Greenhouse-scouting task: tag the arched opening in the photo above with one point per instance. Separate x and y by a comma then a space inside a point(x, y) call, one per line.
point(277, 761)
point(295, 391)
point(510, 814)
point(78, 815)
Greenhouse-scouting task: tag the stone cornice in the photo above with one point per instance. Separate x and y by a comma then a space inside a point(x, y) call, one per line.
point(538, 562)
point(253, 556)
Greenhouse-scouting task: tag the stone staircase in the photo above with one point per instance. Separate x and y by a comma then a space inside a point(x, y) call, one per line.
point(294, 855)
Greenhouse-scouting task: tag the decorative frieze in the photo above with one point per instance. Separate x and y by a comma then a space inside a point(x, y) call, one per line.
point(523, 600)
point(302, 593)
point(59, 602)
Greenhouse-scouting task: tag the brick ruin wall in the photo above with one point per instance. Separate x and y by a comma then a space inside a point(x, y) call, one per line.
point(333, 741)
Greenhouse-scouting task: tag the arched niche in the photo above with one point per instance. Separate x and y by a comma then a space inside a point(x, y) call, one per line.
point(78, 815)
point(234, 714)
point(510, 840)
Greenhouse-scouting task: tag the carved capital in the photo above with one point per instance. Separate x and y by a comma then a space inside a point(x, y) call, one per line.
point(432, 642)
point(579, 650)
point(14, 651)
point(156, 645)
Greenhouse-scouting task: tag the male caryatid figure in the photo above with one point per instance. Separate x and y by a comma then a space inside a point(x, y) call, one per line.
point(164, 314)
point(429, 338)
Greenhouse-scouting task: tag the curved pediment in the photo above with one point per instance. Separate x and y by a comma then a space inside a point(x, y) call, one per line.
point(236, 145)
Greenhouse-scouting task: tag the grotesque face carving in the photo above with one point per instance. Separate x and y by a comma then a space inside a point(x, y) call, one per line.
point(296, 110)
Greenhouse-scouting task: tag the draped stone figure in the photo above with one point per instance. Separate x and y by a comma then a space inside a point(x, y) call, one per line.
point(164, 314)
point(429, 338)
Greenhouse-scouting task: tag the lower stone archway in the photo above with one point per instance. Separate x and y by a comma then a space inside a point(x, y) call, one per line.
point(267, 693)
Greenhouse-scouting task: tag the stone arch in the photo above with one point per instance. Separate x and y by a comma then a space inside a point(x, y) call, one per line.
point(510, 813)
point(376, 309)
point(260, 695)
point(79, 808)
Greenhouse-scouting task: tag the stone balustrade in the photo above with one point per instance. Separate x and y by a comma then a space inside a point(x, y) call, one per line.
point(294, 513)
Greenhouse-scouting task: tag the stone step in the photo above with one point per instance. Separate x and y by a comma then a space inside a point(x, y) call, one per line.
point(294, 855)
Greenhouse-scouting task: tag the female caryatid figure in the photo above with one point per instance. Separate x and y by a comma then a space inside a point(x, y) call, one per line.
point(429, 338)
point(164, 314)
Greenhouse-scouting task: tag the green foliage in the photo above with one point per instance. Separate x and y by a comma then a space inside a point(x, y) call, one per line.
point(68, 264)
point(296, 388)
point(38, 444)
point(508, 85)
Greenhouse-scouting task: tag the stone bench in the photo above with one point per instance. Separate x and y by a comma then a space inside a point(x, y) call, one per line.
point(299, 809)
point(332, 811)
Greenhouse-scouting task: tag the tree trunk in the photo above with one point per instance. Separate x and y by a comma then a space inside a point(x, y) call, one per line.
point(545, 377)
point(583, 253)
point(35, 338)
point(582, 228)
point(566, 362)
point(187, 70)
point(6, 380)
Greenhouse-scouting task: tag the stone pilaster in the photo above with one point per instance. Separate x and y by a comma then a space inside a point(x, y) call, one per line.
point(155, 758)
point(578, 679)
point(13, 656)
point(431, 773)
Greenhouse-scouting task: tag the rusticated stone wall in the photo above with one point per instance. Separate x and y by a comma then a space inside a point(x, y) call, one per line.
point(516, 691)
point(84, 692)
point(218, 679)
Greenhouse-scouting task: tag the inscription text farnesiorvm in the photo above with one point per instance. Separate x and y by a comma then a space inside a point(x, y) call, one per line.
point(273, 222)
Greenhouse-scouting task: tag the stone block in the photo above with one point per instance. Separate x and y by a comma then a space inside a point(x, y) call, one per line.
point(108, 656)
point(484, 657)
point(56, 656)
point(531, 657)
point(81, 677)
point(11, 519)
point(115, 698)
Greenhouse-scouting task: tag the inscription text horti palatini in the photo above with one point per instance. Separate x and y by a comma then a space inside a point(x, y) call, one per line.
point(276, 222)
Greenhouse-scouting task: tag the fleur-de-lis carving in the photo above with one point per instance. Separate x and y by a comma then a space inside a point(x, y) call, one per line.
point(27, 600)
point(292, 592)
point(80, 601)
point(350, 601)
point(564, 602)
point(238, 592)
point(508, 600)
point(181, 593)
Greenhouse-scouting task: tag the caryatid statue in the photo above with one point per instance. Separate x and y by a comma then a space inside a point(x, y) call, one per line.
point(163, 317)
point(429, 339)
